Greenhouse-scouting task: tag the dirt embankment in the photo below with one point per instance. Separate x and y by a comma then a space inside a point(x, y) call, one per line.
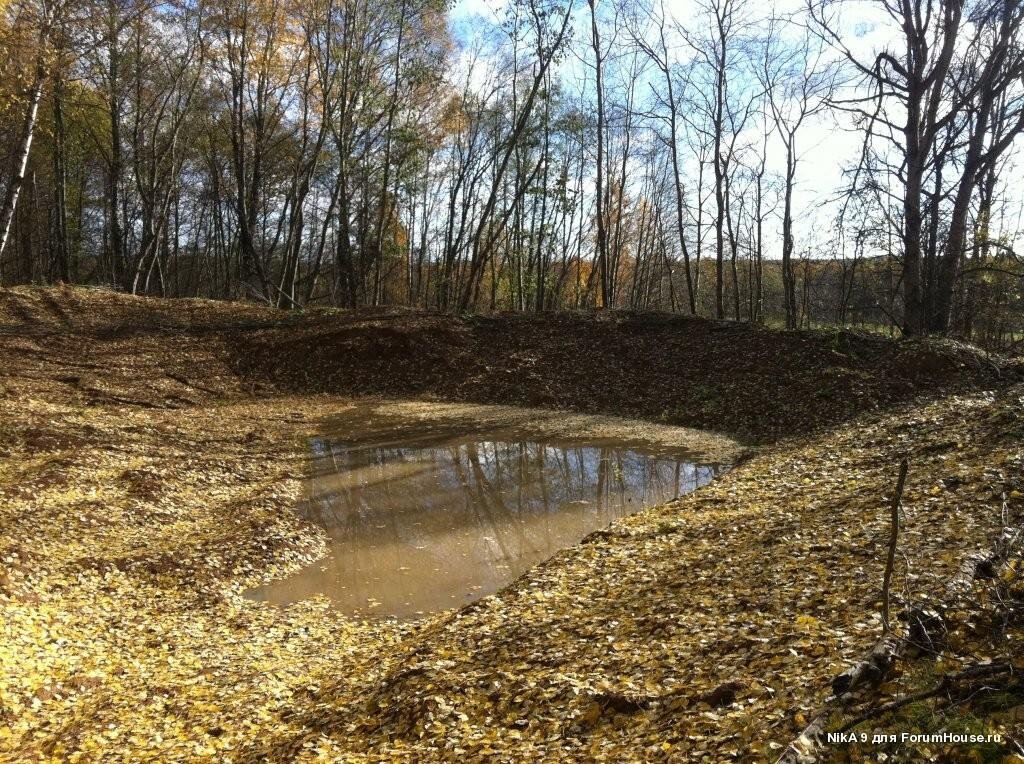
point(736, 378)
point(150, 456)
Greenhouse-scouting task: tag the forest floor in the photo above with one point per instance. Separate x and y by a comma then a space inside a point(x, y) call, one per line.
point(151, 456)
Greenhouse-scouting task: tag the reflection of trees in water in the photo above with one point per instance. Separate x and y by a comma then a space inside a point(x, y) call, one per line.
point(486, 505)
point(423, 525)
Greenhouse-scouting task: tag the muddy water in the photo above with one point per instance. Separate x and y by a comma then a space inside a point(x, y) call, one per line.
point(432, 522)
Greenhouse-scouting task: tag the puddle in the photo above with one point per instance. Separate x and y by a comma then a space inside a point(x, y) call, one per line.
point(432, 522)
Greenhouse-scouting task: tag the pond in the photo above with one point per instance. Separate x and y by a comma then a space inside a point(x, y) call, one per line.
point(428, 523)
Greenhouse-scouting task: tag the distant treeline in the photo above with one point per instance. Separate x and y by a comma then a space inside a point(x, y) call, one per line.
point(566, 156)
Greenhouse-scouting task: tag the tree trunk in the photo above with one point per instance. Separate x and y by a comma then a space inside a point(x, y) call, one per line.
point(22, 153)
point(913, 305)
point(602, 234)
point(788, 277)
point(117, 255)
point(691, 293)
point(61, 266)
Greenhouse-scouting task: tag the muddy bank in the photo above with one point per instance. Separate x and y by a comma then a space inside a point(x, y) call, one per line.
point(379, 421)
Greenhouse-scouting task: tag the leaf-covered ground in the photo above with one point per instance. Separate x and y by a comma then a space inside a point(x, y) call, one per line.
point(739, 378)
point(148, 475)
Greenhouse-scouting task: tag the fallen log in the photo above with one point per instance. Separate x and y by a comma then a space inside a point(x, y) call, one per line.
point(925, 632)
point(872, 669)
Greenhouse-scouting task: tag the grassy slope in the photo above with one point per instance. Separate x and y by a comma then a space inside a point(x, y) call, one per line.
point(150, 451)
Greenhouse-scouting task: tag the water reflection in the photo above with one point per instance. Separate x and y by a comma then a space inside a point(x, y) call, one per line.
point(424, 527)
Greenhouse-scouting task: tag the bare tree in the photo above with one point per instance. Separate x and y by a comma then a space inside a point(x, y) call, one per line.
point(798, 83)
point(659, 55)
point(913, 95)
